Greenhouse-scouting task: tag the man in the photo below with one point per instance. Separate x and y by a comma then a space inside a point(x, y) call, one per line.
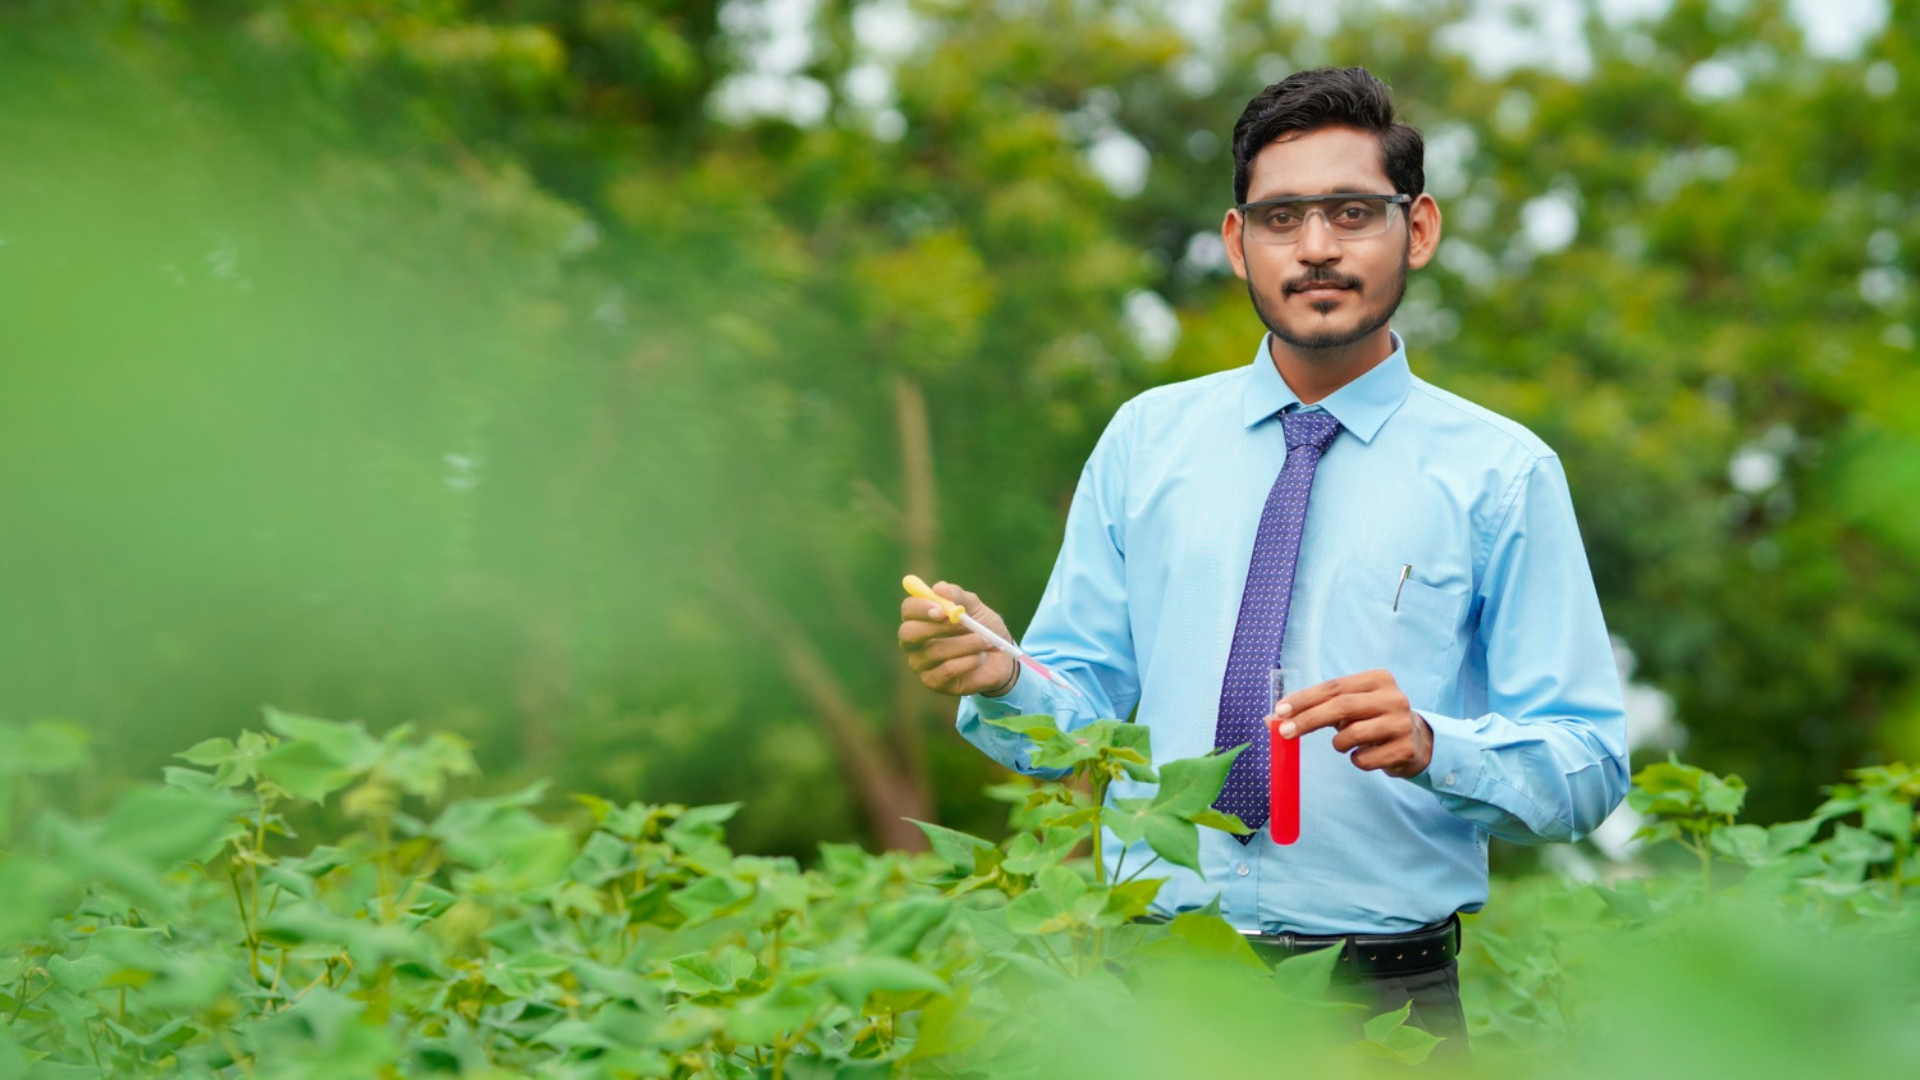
point(1408, 560)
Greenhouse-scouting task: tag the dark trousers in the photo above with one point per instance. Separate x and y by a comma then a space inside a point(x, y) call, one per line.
point(1436, 1004)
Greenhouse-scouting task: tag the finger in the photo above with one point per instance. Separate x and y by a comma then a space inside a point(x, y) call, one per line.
point(1319, 693)
point(1391, 757)
point(1313, 696)
point(915, 635)
point(920, 609)
point(1367, 733)
point(940, 650)
point(1335, 712)
point(951, 673)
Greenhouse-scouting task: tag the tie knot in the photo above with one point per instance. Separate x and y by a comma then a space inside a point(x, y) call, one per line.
point(1315, 429)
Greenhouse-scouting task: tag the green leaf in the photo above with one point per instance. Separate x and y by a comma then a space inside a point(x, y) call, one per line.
point(1039, 911)
point(1215, 819)
point(1723, 796)
point(1174, 840)
point(32, 891)
point(1206, 935)
point(1390, 1036)
point(861, 975)
point(957, 848)
point(1308, 975)
point(305, 771)
point(614, 982)
point(990, 928)
point(1133, 748)
point(1135, 737)
point(1127, 819)
point(780, 1011)
point(1048, 907)
point(896, 929)
point(702, 974)
point(423, 769)
point(305, 923)
point(161, 826)
point(512, 849)
point(1791, 836)
point(1028, 854)
point(209, 752)
point(1889, 817)
point(1742, 843)
point(1851, 845)
point(1377, 1028)
point(1190, 785)
point(43, 747)
point(709, 896)
point(1038, 728)
point(1669, 777)
point(1128, 900)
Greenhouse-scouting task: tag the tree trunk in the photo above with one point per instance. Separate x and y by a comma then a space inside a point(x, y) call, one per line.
point(886, 792)
point(914, 705)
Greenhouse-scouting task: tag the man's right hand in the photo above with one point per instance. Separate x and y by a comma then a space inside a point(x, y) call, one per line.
point(949, 657)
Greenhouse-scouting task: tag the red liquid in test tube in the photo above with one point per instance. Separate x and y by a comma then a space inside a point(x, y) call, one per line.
point(1283, 776)
point(1283, 812)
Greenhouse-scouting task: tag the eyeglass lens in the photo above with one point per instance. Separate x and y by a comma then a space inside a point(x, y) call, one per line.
point(1348, 218)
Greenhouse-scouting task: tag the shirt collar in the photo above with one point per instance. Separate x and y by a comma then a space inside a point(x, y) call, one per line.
point(1361, 406)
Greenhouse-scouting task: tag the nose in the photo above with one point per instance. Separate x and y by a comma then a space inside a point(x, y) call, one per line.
point(1317, 245)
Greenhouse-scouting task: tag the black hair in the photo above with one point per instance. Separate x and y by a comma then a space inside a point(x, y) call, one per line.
point(1326, 97)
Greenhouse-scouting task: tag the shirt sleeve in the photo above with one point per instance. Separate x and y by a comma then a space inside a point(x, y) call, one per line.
point(1081, 629)
point(1548, 760)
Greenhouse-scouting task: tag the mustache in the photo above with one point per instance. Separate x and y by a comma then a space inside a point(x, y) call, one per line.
point(1320, 279)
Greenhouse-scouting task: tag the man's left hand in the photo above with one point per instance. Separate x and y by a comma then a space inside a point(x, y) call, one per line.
point(1373, 722)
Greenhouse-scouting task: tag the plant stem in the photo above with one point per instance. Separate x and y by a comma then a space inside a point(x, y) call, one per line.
point(1704, 852)
point(1099, 860)
point(1099, 827)
point(385, 871)
point(1054, 956)
point(259, 853)
point(781, 1047)
point(246, 924)
point(1142, 869)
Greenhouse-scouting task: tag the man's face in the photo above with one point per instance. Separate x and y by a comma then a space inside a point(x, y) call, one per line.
point(1321, 293)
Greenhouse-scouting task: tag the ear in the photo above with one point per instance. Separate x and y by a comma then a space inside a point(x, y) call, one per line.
point(1423, 230)
point(1230, 235)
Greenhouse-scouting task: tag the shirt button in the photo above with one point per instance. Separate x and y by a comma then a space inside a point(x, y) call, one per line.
point(1449, 780)
point(1243, 869)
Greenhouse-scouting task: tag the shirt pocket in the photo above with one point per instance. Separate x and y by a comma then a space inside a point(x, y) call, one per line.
point(1415, 639)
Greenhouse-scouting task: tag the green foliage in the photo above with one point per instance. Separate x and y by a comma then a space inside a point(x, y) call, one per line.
point(1862, 867)
point(192, 932)
point(1830, 896)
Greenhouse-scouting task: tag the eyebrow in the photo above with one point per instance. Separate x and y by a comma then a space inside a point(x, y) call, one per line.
point(1356, 189)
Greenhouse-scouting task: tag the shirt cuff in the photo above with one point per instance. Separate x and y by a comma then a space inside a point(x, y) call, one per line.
point(1026, 698)
point(1454, 769)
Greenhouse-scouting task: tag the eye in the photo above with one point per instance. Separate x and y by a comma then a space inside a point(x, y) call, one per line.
point(1356, 213)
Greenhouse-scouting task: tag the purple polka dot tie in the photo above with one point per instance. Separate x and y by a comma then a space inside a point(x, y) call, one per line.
point(1244, 693)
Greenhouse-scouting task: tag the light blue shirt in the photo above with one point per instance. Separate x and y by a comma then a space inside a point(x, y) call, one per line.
point(1497, 638)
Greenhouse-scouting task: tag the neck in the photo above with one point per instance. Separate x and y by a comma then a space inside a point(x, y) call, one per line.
point(1313, 374)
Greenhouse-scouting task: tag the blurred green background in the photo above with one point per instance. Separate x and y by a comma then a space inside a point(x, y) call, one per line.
point(582, 375)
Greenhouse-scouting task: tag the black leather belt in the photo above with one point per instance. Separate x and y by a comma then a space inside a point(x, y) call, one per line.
point(1429, 948)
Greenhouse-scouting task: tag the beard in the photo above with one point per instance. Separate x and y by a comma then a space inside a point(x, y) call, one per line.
point(1327, 340)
